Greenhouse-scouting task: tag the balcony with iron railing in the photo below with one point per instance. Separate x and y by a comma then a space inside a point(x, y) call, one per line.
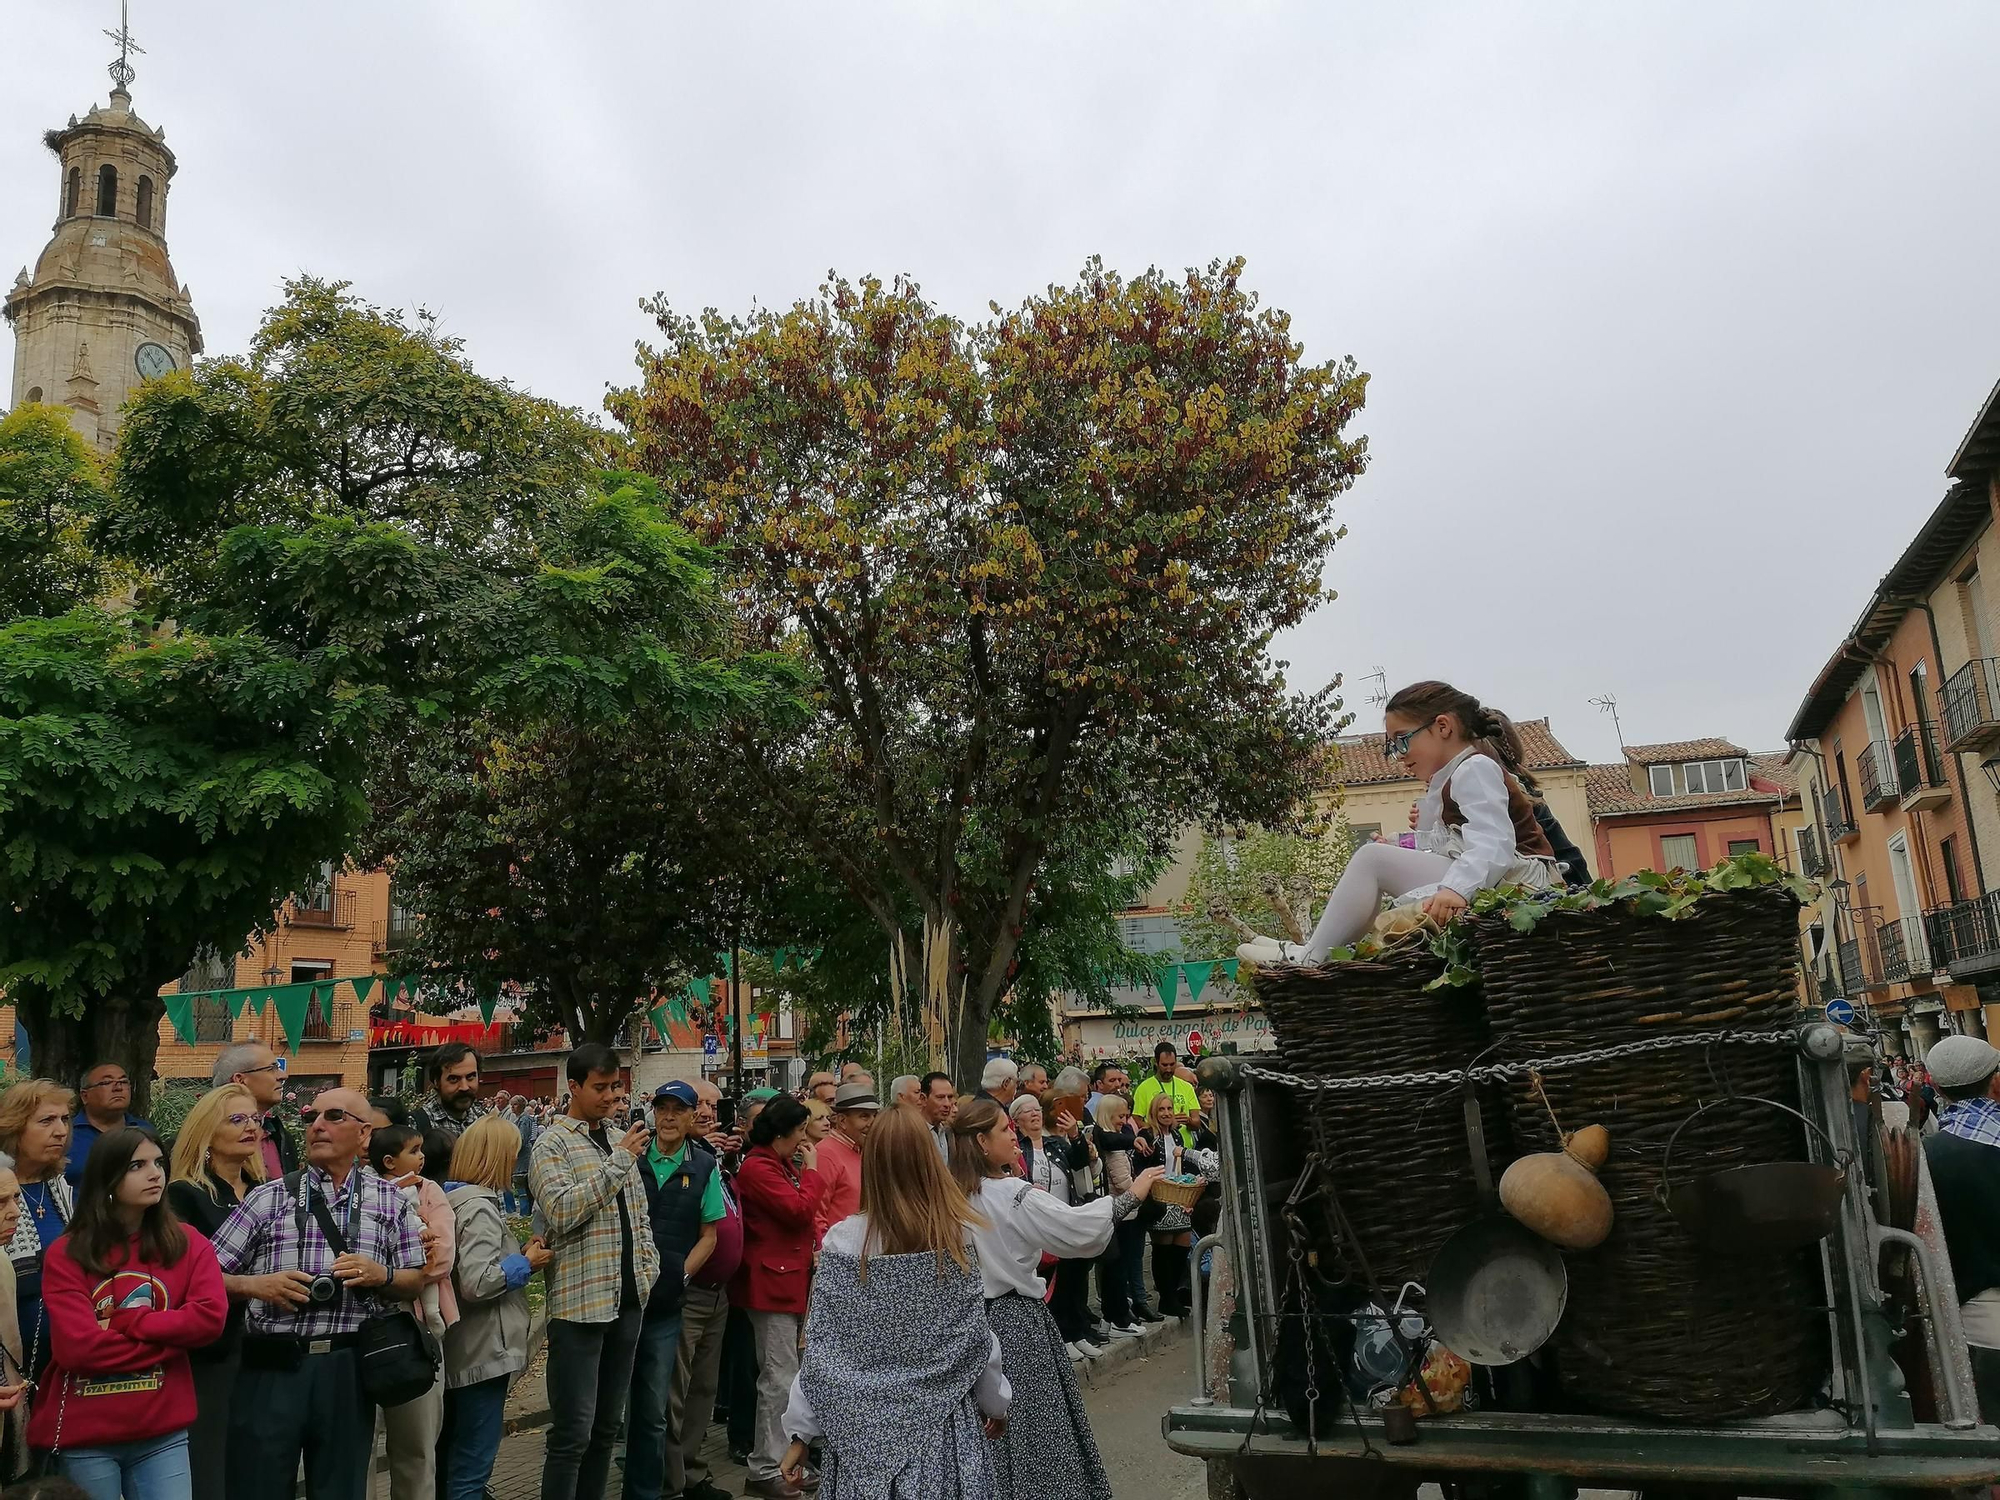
point(1812, 857)
point(1878, 776)
point(1964, 936)
point(323, 907)
point(1840, 825)
point(1969, 705)
point(1920, 775)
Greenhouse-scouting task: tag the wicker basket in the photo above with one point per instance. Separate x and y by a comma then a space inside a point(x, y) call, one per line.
point(1656, 1327)
point(1397, 1156)
point(1182, 1195)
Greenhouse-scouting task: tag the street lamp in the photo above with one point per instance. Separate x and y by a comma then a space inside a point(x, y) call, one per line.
point(1991, 766)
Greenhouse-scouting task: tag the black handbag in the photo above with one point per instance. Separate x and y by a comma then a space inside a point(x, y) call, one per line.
point(398, 1358)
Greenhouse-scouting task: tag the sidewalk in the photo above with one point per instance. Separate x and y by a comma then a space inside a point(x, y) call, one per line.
point(517, 1473)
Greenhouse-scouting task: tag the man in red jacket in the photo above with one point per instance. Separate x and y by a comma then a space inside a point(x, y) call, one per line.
point(854, 1109)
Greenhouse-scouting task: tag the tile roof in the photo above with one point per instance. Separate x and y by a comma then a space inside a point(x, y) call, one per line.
point(1776, 767)
point(1362, 762)
point(1608, 789)
point(1679, 750)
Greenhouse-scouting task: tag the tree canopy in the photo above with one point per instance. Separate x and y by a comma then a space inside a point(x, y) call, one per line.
point(1035, 566)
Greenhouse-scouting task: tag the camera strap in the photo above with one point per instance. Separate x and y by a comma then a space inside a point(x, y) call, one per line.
point(326, 1225)
point(311, 1202)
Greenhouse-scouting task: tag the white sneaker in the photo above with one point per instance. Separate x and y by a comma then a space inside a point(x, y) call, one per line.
point(1075, 1354)
point(1087, 1349)
point(1263, 951)
point(1125, 1331)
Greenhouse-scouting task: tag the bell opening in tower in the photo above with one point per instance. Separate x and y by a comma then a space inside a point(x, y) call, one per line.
point(107, 191)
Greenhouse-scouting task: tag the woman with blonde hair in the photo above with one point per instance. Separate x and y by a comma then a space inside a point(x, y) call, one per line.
point(901, 1378)
point(488, 1345)
point(1048, 1451)
point(34, 1130)
point(218, 1158)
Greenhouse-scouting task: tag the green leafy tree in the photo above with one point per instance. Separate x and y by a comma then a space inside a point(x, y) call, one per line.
point(1035, 566)
point(344, 540)
point(51, 490)
point(1255, 878)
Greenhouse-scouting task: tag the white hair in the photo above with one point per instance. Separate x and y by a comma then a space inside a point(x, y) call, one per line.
point(904, 1083)
point(1071, 1083)
point(1022, 1104)
point(998, 1071)
point(241, 1058)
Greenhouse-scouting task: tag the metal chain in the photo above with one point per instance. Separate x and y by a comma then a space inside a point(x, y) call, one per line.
point(1488, 1072)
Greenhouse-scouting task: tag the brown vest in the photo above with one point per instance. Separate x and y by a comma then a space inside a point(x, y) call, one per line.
point(1529, 840)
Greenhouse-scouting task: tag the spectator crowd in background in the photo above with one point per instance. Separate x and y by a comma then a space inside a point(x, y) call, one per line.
point(275, 1287)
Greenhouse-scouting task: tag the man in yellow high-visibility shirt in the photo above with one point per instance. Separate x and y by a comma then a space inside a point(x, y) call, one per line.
point(1166, 1076)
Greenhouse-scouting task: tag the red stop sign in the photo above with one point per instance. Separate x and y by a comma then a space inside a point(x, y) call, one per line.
point(1194, 1043)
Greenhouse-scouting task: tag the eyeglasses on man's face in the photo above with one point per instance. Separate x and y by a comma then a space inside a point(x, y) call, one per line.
point(334, 1116)
point(120, 1082)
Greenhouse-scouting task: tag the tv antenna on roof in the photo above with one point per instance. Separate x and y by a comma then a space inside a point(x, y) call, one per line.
point(122, 72)
point(1379, 682)
point(1608, 704)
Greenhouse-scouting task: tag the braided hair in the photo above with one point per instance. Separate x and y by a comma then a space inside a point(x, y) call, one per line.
point(1485, 728)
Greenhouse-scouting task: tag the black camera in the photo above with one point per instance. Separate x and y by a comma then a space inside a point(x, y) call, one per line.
point(323, 1289)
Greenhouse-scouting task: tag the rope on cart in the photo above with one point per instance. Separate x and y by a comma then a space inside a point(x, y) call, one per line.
point(1488, 1072)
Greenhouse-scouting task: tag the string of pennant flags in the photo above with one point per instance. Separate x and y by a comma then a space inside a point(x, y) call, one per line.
point(698, 993)
point(293, 1001)
point(1167, 984)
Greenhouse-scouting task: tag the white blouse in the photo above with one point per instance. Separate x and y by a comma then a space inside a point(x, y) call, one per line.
point(993, 1395)
point(1018, 1235)
point(1479, 786)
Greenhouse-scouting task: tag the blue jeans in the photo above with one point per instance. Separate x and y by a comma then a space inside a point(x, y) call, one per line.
point(472, 1421)
point(647, 1424)
point(517, 1200)
point(152, 1469)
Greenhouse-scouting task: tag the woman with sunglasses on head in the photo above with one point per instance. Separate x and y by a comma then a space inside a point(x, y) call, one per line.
point(218, 1158)
point(1476, 826)
point(129, 1292)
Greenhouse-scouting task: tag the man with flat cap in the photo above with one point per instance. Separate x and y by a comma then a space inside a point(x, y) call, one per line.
point(1964, 1159)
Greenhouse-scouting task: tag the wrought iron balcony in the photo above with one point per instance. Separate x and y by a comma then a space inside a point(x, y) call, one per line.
point(1839, 819)
point(1920, 776)
point(1878, 776)
point(1812, 858)
point(323, 907)
point(1965, 935)
point(1969, 704)
point(1895, 958)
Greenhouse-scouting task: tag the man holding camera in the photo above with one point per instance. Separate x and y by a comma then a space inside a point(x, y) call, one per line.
point(318, 1253)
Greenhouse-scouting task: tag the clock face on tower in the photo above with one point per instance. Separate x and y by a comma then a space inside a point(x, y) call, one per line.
point(154, 360)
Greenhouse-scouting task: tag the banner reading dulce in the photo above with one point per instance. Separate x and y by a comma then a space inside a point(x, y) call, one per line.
point(1107, 1036)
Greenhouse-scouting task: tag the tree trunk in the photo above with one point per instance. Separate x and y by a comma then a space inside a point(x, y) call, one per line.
point(122, 1031)
point(968, 1047)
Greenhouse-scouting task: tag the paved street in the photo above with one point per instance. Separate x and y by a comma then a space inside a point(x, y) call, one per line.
point(1125, 1405)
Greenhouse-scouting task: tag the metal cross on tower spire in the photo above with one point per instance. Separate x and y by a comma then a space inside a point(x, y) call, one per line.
point(121, 71)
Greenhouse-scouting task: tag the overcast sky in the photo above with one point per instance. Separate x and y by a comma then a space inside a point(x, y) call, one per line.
point(1674, 312)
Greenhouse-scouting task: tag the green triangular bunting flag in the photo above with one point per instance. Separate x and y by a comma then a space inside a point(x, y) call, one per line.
point(486, 1004)
point(699, 989)
point(659, 1019)
point(363, 984)
point(1197, 978)
point(1229, 969)
point(180, 1011)
point(292, 1000)
point(1169, 987)
point(778, 959)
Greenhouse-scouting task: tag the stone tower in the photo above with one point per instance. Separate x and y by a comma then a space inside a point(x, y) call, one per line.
point(102, 311)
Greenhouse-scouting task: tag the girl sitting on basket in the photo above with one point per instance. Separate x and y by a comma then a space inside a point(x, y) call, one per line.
point(1476, 827)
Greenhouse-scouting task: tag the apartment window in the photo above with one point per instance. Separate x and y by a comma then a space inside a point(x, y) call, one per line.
point(1745, 846)
point(1661, 779)
point(318, 896)
point(1149, 934)
point(1948, 857)
point(1360, 833)
point(1714, 776)
point(319, 1009)
point(1679, 852)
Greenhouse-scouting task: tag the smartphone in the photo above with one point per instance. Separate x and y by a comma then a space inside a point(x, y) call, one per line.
point(725, 1115)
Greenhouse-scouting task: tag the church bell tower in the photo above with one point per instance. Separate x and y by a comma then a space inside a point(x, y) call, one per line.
point(102, 311)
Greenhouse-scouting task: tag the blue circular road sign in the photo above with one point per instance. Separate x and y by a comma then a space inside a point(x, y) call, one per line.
point(1840, 1012)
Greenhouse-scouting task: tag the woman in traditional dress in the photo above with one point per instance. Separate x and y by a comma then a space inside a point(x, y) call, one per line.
point(1047, 1452)
point(901, 1380)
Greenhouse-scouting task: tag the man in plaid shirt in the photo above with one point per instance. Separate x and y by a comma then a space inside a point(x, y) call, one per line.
point(298, 1349)
point(588, 1191)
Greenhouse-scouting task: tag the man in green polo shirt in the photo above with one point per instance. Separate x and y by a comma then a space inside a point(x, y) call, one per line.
point(684, 1203)
point(1166, 1078)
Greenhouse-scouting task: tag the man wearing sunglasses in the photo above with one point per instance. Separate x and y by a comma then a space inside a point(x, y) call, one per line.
point(106, 1095)
point(347, 1248)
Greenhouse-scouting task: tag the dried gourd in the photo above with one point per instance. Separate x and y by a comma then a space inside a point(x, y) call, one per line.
point(1557, 1194)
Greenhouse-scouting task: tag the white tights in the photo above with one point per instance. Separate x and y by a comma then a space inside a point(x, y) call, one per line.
point(1373, 872)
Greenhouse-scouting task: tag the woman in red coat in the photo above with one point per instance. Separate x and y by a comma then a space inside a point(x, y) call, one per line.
point(775, 1279)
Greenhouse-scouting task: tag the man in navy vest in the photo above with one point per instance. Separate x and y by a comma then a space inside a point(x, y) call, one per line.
point(684, 1200)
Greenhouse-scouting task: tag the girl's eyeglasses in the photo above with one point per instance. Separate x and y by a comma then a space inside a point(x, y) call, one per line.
point(1398, 745)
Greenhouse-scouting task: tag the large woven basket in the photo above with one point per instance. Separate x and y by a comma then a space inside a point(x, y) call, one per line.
point(1657, 1327)
point(1397, 1156)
